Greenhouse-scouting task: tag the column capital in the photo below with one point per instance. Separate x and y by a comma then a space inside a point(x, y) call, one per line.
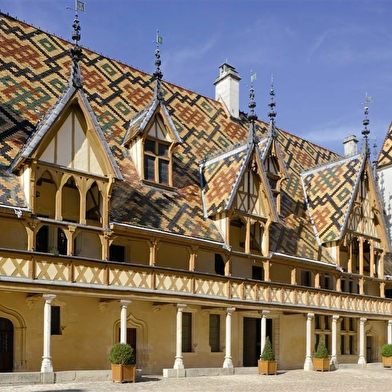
point(125, 302)
point(180, 307)
point(264, 313)
point(49, 297)
point(335, 317)
point(362, 319)
point(230, 310)
point(389, 322)
point(310, 315)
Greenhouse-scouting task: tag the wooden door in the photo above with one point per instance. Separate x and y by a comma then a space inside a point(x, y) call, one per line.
point(131, 338)
point(6, 345)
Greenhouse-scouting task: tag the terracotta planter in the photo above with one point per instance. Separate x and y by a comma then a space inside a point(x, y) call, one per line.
point(387, 361)
point(267, 367)
point(123, 373)
point(321, 364)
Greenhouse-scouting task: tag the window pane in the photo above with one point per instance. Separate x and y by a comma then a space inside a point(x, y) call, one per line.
point(163, 150)
point(149, 146)
point(187, 332)
point(149, 168)
point(163, 172)
point(215, 332)
point(55, 320)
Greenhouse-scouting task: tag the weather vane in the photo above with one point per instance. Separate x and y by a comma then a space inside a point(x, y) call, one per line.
point(79, 6)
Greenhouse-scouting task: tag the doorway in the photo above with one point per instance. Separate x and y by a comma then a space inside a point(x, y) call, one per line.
point(131, 338)
point(252, 339)
point(369, 349)
point(6, 345)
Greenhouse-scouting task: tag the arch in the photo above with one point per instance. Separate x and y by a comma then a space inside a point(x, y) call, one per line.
point(45, 195)
point(19, 337)
point(94, 204)
point(70, 208)
point(143, 351)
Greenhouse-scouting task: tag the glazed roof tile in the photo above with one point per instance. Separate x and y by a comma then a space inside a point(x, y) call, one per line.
point(385, 156)
point(329, 191)
point(34, 73)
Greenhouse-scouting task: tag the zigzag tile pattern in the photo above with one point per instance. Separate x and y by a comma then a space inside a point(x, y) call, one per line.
point(330, 191)
point(385, 156)
point(34, 71)
point(220, 178)
point(295, 234)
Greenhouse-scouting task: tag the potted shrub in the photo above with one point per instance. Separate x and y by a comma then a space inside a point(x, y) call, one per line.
point(267, 363)
point(122, 358)
point(386, 353)
point(321, 357)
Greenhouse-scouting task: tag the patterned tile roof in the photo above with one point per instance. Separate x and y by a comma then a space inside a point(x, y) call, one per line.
point(34, 73)
point(385, 156)
point(329, 192)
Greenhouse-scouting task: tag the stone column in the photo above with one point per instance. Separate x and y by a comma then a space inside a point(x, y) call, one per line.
point(334, 358)
point(46, 366)
point(308, 365)
point(361, 359)
point(228, 363)
point(178, 363)
point(123, 319)
point(389, 331)
point(263, 334)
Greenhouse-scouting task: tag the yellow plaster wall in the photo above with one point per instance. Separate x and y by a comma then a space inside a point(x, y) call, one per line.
point(205, 262)
point(13, 235)
point(173, 256)
point(292, 341)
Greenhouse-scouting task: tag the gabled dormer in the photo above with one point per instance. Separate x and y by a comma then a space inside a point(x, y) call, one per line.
point(66, 167)
point(151, 137)
point(346, 211)
point(150, 140)
point(236, 193)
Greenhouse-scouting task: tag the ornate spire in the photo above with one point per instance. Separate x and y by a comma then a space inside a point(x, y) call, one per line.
point(366, 131)
point(374, 163)
point(76, 54)
point(252, 115)
point(158, 93)
point(272, 113)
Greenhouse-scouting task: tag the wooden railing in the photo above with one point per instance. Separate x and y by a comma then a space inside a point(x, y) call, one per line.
point(33, 267)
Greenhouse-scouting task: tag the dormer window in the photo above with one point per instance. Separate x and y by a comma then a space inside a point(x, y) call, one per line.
point(150, 140)
point(156, 161)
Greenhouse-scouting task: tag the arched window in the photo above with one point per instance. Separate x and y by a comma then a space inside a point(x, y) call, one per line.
point(45, 196)
point(70, 201)
point(94, 204)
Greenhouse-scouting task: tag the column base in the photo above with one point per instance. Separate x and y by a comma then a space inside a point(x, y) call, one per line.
point(46, 366)
point(361, 360)
point(308, 365)
point(334, 363)
point(178, 364)
point(228, 363)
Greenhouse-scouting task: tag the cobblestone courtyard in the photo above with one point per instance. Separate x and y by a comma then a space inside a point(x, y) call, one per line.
point(371, 378)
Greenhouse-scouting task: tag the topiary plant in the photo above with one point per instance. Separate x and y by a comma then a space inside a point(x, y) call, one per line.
point(122, 354)
point(322, 351)
point(267, 354)
point(386, 350)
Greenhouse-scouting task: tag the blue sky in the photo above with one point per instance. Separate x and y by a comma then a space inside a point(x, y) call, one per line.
point(324, 55)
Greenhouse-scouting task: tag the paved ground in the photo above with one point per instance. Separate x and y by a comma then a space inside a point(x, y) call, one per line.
point(371, 378)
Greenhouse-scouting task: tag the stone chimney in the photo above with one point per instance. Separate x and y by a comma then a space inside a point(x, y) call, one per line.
point(350, 145)
point(227, 89)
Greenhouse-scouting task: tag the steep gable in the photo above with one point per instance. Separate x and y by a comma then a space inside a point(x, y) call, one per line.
point(342, 198)
point(69, 136)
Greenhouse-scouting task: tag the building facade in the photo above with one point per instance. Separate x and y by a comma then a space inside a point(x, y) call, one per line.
point(134, 210)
